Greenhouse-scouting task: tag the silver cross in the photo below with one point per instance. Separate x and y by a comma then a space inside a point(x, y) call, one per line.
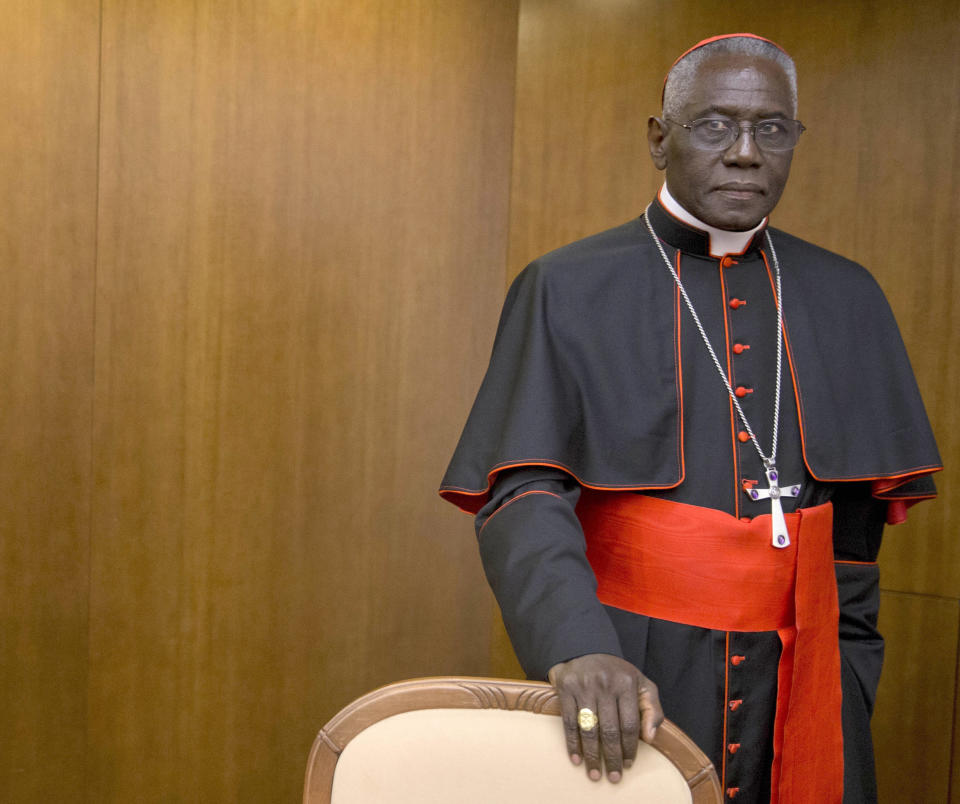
point(780, 537)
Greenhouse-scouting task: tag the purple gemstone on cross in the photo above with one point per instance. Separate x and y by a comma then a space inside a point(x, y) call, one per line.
point(780, 539)
point(773, 475)
point(755, 494)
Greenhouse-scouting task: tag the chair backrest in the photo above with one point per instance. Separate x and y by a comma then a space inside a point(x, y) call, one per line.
point(481, 740)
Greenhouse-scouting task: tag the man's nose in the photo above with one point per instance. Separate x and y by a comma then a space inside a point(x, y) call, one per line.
point(744, 152)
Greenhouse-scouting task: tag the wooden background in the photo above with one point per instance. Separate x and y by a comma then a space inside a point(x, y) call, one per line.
point(253, 256)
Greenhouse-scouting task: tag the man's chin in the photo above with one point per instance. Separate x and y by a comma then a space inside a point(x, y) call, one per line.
point(736, 217)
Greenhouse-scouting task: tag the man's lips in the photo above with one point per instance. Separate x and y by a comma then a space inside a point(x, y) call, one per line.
point(740, 190)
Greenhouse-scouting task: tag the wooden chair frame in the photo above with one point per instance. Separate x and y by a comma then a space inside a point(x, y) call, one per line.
point(454, 692)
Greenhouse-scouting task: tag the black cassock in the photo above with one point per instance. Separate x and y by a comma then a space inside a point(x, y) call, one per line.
point(599, 378)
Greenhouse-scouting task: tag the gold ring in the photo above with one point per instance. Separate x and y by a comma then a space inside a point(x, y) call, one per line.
point(587, 720)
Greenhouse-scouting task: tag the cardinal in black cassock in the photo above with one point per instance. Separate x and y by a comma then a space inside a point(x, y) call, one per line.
point(627, 503)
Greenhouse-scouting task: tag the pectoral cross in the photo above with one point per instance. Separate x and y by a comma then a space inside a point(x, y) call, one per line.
point(780, 537)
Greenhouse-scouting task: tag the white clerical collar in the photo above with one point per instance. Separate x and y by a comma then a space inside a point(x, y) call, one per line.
point(721, 241)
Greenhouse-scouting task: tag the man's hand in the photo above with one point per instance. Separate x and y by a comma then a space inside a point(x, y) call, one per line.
point(625, 702)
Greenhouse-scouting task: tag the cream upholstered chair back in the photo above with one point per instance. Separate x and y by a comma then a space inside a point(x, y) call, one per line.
point(482, 740)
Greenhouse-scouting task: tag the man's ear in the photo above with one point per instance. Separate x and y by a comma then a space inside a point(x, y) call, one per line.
point(656, 140)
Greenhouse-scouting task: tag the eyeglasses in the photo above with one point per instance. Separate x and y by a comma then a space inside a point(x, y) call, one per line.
point(719, 133)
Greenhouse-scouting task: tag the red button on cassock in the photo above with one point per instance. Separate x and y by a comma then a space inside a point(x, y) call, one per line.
point(739, 348)
point(735, 704)
point(737, 660)
point(732, 792)
point(744, 436)
point(733, 748)
point(735, 303)
point(726, 262)
point(742, 392)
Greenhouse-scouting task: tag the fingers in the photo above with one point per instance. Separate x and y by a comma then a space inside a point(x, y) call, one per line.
point(651, 712)
point(608, 709)
point(629, 714)
point(610, 687)
point(571, 728)
point(590, 742)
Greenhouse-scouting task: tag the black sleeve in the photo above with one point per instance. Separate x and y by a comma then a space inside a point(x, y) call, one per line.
point(534, 556)
point(858, 521)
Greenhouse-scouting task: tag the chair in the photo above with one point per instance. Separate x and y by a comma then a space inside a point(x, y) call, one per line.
point(483, 740)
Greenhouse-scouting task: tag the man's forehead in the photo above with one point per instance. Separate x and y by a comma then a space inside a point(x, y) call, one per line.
point(736, 79)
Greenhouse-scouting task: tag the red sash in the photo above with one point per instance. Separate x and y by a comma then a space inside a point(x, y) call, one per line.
point(706, 568)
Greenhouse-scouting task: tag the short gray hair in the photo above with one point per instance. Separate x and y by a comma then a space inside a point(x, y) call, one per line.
point(682, 75)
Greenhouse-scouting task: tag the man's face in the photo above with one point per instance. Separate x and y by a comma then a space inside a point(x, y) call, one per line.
point(733, 189)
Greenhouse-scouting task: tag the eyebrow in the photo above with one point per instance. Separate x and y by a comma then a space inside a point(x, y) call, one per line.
point(728, 111)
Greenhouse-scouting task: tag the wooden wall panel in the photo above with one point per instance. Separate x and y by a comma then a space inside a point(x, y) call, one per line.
point(909, 235)
point(874, 178)
point(48, 161)
point(303, 225)
point(912, 726)
point(955, 742)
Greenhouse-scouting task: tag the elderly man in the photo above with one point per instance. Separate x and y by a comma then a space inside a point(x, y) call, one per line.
point(691, 433)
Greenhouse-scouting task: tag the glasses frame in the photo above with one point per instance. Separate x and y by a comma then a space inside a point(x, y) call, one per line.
point(751, 127)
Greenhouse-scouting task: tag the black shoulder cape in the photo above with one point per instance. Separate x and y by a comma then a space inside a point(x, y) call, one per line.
point(583, 374)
